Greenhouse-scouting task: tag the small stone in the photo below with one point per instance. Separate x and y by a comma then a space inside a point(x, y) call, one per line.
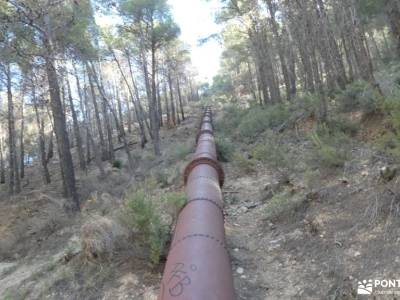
point(243, 276)
point(364, 173)
point(240, 270)
point(236, 249)
point(357, 253)
point(243, 209)
point(388, 173)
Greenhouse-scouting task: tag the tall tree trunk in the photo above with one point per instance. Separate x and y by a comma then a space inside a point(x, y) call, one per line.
point(140, 117)
point(107, 124)
point(117, 123)
point(84, 110)
point(2, 168)
point(178, 86)
point(97, 114)
point(119, 109)
point(332, 48)
point(87, 118)
point(66, 163)
point(349, 59)
point(129, 115)
point(392, 8)
point(253, 87)
point(167, 105)
point(281, 50)
point(77, 133)
point(21, 141)
point(42, 139)
point(14, 182)
point(153, 110)
point(171, 95)
point(159, 105)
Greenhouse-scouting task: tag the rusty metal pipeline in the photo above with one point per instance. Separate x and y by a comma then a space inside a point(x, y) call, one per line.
point(198, 265)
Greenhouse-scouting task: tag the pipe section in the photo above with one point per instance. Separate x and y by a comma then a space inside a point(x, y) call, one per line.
point(198, 265)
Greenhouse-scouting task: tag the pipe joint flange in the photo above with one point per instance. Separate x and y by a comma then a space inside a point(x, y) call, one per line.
point(205, 161)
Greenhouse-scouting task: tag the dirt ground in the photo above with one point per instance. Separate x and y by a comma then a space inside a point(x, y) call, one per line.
point(344, 230)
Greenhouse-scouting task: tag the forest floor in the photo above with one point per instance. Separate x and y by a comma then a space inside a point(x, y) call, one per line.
point(40, 246)
point(317, 249)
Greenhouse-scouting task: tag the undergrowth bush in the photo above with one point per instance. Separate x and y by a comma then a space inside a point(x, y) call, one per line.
point(147, 212)
point(176, 199)
point(161, 176)
point(308, 102)
point(142, 217)
point(272, 152)
point(283, 204)
point(243, 163)
point(99, 238)
point(330, 147)
point(359, 95)
point(230, 121)
point(225, 149)
point(390, 141)
point(181, 151)
point(258, 119)
point(344, 125)
point(117, 164)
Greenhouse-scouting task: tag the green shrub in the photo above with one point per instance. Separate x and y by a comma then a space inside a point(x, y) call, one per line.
point(330, 148)
point(273, 153)
point(178, 200)
point(117, 164)
point(312, 178)
point(225, 149)
point(161, 176)
point(181, 151)
point(390, 141)
point(308, 103)
point(282, 204)
point(340, 124)
point(359, 95)
point(230, 120)
point(391, 106)
point(244, 164)
point(142, 217)
point(258, 119)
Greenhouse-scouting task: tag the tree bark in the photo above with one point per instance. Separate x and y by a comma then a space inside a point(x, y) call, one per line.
point(97, 115)
point(117, 123)
point(281, 50)
point(171, 95)
point(77, 133)
point(2, 168)
point(66, 163)
point(14, 181)
point(42, 139)
point(153, 110)
point(21, 141)
point(392, 8)
point(178, 86)
point(137, 106)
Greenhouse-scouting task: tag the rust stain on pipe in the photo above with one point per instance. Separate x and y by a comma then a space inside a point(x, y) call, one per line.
point(198, 265)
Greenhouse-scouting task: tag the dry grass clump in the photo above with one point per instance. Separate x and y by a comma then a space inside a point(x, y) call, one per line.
point(99, 238)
